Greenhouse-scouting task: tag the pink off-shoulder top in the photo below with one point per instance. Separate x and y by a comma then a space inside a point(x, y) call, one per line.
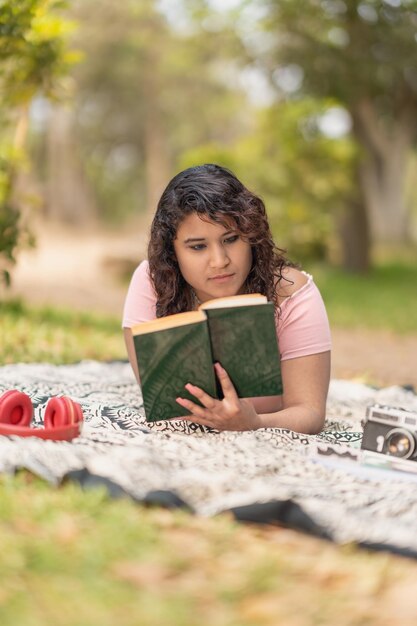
point(301, 323)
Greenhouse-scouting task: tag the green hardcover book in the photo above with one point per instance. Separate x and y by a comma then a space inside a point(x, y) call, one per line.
point(239, 332)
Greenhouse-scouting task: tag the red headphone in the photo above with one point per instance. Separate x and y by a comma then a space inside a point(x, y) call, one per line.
point(63, 417)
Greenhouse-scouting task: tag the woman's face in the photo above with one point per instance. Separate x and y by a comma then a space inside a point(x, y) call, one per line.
point(213, 259)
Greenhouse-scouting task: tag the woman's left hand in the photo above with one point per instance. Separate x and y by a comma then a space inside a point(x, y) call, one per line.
point(231, 413)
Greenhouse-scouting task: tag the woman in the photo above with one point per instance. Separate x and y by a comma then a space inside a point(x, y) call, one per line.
point(210, 238)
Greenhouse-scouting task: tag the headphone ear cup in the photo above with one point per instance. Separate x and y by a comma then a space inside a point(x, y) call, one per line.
point(15, 408)
point(62, 411)
point(79, 415)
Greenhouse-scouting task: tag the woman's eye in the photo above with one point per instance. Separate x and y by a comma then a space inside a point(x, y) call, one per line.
point(198, 246)
point(231, 239)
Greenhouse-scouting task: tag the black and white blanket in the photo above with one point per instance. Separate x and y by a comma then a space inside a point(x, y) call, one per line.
point(317, 483)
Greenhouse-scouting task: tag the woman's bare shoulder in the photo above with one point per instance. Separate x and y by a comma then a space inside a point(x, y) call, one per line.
point(291, 281)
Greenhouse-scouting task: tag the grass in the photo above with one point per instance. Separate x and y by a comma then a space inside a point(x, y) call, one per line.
point(30, 334)
point(69, 558)
point(383, 299)
point(74, 558)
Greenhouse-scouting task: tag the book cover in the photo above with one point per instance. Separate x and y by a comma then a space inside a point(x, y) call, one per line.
point(171, 357)
point(244, 341)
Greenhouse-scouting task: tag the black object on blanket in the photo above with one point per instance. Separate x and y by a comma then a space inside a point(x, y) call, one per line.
point(283, 512)
point(388, 547)
point(158, 497)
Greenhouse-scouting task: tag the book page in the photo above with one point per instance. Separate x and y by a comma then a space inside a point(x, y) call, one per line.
point(247, 299)
point(171, 321)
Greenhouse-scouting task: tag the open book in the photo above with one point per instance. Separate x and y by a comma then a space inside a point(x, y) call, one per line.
point(238, 332)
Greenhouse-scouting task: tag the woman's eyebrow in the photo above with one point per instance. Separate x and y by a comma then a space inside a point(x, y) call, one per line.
point(193, 239)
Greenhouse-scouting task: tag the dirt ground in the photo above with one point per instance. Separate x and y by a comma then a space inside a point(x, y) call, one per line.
point(81, 270)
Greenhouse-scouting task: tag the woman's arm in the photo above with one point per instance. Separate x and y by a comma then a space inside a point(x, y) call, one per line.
point(139, 307)
point(305, 381)
point(127, 333)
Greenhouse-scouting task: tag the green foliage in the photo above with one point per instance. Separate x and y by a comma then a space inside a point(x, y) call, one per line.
point(12, 234)
point(33, 57)
point(9, 223)
point(33, 48)
point(9, 235)
point(303, 177)
point(147, 91)
point(361, 53)
point(306, 177)
point(349, 50)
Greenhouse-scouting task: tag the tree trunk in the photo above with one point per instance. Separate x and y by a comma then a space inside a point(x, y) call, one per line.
point(355, 238)
point(21, 130)
point(382, 171)
point(69, 198)
point(156, 162)
point(16, 187)
point(22, 188)
point(157, 158)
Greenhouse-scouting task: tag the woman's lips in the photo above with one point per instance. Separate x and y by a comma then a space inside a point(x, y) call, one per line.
point(222, 278)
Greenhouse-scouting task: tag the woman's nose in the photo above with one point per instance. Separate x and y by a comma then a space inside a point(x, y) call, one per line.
point(219, 257)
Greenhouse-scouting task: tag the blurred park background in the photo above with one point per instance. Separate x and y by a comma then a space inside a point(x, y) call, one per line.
point(312, 104)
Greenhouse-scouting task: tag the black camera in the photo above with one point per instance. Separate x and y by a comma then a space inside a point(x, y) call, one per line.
point(390, 430)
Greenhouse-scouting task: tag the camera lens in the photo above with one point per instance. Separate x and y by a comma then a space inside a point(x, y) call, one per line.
point(399, 443)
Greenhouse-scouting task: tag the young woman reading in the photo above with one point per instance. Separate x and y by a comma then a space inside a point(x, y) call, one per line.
point(210, 238)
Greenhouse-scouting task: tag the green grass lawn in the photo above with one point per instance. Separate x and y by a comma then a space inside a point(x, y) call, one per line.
point(30, 334)
point(79, 559)
point(386, 298)
point(74, 558)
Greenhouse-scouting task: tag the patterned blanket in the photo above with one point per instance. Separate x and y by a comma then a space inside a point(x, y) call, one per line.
point(316, 483)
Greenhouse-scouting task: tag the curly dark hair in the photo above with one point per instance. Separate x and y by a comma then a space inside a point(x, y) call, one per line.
point(214, 193)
